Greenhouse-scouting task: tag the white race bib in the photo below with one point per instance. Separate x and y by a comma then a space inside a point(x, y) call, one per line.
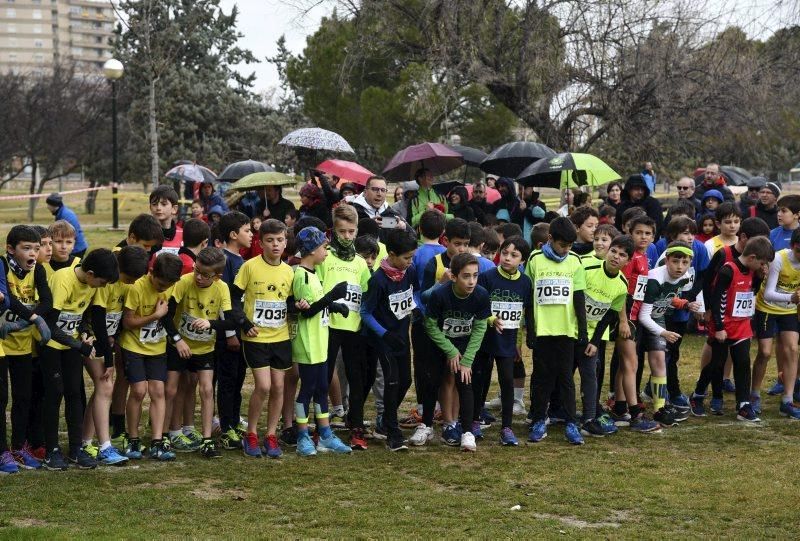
point(68, 322)
point(352, 298)
point(553, 290)
point(325, 317)
point(168, 250)
point(509, 312)
point(152, 332)
point(188, 332)
point(112, 322)
point(660, 308)
point(11, 317)
point(641, 285)
point(456, 327)
point(269, 314)
point(744, 304)
point(401, 304)
point(595, 310)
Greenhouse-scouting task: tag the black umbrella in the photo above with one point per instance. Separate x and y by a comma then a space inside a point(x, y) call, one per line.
point(237, 170)
point(472, 156)
point(510, 159)
point(444, 187)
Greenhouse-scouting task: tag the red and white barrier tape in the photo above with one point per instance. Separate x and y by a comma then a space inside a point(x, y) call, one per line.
point(40, 195)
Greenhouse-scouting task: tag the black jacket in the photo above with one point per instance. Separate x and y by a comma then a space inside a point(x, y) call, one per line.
point(648, 203)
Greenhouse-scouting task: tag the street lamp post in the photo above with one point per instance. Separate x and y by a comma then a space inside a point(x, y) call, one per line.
point(113, 70)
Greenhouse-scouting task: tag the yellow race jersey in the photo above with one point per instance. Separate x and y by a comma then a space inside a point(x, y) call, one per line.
point(267, 289)
point(72, 297)
point(199, 303)
point(112, 298)
point(24, 289)
point(150, 339)
point(788, 283)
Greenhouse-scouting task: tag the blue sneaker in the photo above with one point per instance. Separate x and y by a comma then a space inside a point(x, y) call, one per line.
point(111, 457)
point(134, 449)
point(160, 451)
point(680, 401)
point(716, 406)
point(789, 410)
point(507, 438)
point(333, 444)
point(54, 461)
point(643, 425)
point(747, 414)
point(573, 434)
point(476, 430)
point(696, 403)
point(305, 445)
point(451, 436)
point(728, 386)
point(538, 432)
point(755, 403)
point(25, 458)
point(271, 446)
point(7, 463)
point(487, 418)
point(607, 424)
point(250, 445)
point(776, 389)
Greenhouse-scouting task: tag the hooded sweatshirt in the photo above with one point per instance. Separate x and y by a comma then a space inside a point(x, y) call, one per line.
point(509, 202)
point(648, 203)
point(462, 209)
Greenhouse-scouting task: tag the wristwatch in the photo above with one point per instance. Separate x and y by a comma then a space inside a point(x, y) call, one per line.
point(176, 338)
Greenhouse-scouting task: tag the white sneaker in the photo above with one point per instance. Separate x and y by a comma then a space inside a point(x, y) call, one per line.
point(468, 442)
point(422, 435)
point(495, 403)
point(519, 407)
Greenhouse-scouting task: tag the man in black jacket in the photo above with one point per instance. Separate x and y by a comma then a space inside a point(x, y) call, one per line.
point(479, 205)
point(637, 194)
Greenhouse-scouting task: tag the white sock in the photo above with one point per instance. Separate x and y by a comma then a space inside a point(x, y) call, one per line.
point(86, 442)
point(174, 433)
point(188, 429)
point(519, 392)
point(338, 410)
point(105, 445)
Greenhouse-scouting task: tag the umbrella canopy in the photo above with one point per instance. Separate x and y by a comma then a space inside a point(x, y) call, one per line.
point(568, 170)
point(190, 172)
point(438, 158)
point(259, 180)
point(238, 170)
point(510, 159)
point(317, 139)
point(444, 187)
point(343, 169)
point(492, 195)
point(472, 156)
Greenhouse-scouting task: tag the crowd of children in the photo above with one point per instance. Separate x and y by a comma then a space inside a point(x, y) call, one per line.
point(181, 306)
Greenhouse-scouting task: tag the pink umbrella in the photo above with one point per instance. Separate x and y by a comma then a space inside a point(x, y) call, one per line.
point(346, 170)
point(435, 157)
point(492, 195)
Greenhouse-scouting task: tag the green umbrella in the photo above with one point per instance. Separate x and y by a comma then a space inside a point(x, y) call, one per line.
point(567, 170)
point(259, 180)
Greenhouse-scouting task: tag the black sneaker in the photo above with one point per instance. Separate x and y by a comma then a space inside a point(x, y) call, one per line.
point(54, 461)
point(82, 459)
point(289, 436)
point(665, 417)
point(592, 428)
point(209, 449)
point(396, 445)
point(379, 430)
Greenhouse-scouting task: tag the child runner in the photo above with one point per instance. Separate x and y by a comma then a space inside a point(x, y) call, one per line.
point(585, 220)
point(728, 219)
point(788, 221)
point(163, 207)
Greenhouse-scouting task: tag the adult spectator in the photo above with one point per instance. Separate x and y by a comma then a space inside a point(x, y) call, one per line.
point(408, 192)
point(427, 198)
point(713, 180)
point(478, 203)
point(749, 198)
point(313, 203)
point(649, 176)
point(509, 201)
point(614, 195)
point(767, 206)
point(275, 205)
point(60, 211)
point(210, 198)
point(637, 194)
point(686, 190)
point(534, 211)
point(371, 203)
point(459, 204)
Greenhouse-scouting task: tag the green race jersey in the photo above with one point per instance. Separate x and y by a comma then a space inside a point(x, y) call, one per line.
point(310, 346)
point(590, 259)
point(553, 287)
point(658, 295)
point(603, 293)
point(356, 273)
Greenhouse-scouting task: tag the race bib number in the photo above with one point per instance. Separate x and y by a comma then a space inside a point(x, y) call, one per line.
point(152, 332)
point(325, 317)
point(595, 310)
point(192, 334)
point(641, 285)
point(112, 322)
point(509, 312)
point(168, 250)
point(68, 322)
point(401, 304)
point(11, 317)
point(553, 290)
point(352, 299)
point(269, 314)
point(744, 304)
point(660, 309)
point(456, 327)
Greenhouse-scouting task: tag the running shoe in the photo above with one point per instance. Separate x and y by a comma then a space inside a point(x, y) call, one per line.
point(25, 458)
point(486, 418)
point(134, 449)
point(537, 432)
point(216, 428)
point(271, 447)
point(697, 406)
point(305, 445)
point(642, 424)
point(357, 439)
point(120, 441)
point(38, 452)
point(607, 424)
point(82, 459)
point(620, 419)
point(680, 402)
point(476, 430)
point(230, 439)
point(507, 438)
point(55, 461)
point(289, 436)
point(728, 386)
point(495, 403)
point(665, 417)
point(790, 410)
point(379, 430)
point(716, 406)
point(111, 457)
point(8, 464)
point(450, 436)
point(208, 448)
point(250, 445)
point(159, 451)
point(468, 442)
point(91, 449)
point(183, 444)
point(681, 414)
point(777, 388)
point(396, 444)
point(422, 435)
point(338, 420)
point(333, 444)
point(747, 414)
point(573, 434)
point(195, 436)
point(412, 420)
point(592, 428)
point(755, 403)
point(519, 408)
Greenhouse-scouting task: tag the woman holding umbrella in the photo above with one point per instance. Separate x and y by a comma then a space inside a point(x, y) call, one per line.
point(459, 206)
point(275, 205)
point(427, 198)
point(313, 203)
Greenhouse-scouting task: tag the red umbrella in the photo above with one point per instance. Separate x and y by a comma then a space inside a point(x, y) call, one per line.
point(437, 158)
point(346, 170)
point(492, 195)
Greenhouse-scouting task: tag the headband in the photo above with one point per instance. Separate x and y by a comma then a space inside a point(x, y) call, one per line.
point(680, 250)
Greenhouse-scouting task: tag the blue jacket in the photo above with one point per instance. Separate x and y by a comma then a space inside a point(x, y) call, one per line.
point(66, 213)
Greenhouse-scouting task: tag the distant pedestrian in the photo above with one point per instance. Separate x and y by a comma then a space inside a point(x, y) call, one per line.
point(62, 212)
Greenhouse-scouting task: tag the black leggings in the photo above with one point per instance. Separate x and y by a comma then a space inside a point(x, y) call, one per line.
point(230, 371)
point(3, 403)
point(673, 356)
point(20, 368)
point(482, 379)
point(35, 431)
point(424, 349)
point(396, 367)
point(553, 361)
point(62, 372)
point(435, 368)
point(359, 365)
point(713, 371)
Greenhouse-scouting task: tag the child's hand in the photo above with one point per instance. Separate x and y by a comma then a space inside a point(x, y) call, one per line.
point(498, 325)
point(183, 349)
point(106, 375)
point(590, 351)
point(201, 324)
point(252, 333)
point(519, 355)
point(466, 374)
point(302, 304)
point(453, 361)
point(161, 308)
point(624, 331)
point(721, 336)
point(446, 277)
point(232, 343)
point(671, 337)
point(694, 307)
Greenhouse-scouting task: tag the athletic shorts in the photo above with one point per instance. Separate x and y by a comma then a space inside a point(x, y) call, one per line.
point(653, 342)
point(768, 325)
point(195, 363)
point(612, 336)
point(277, 355)
point(140, 367)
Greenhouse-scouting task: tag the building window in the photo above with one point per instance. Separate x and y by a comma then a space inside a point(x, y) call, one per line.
point(37, 29)
point(11, 13)
point(77, 51)
point(75, 10)
point(37, 13)
point(38, 43)
point(11, 28)
point(12, 57)
point(38, 57)
point(98, 39)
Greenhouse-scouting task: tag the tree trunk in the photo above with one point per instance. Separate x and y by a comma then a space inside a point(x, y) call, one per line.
point(91, 198)
point(33, 190)
point(153, 134)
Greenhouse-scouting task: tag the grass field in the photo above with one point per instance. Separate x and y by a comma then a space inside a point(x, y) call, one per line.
point(711, 477)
